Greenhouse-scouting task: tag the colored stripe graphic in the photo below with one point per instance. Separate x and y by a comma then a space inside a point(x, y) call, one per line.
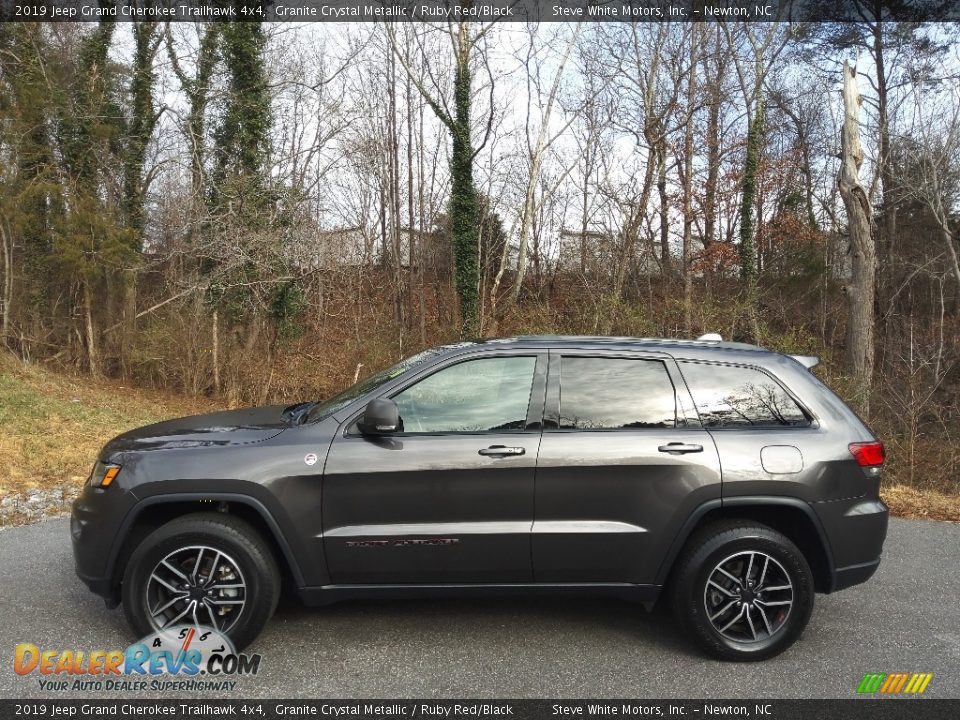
point(894, 683)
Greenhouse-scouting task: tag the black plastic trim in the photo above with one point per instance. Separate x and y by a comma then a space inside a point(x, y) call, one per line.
point(326, 594)
point(743, 501)
point(167, 499)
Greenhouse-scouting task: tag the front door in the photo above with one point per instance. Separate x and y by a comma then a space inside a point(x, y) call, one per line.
point(623, 461)
point(449, 499)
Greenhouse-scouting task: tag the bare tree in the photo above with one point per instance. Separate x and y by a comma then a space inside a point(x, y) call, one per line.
point(861, 289)
point(935, 150)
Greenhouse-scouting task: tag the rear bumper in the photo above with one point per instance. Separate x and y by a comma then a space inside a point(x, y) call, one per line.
point(856, 529)
point(854, 575)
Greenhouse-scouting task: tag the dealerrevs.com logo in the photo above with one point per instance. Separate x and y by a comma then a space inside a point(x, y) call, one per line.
point(176, 659)
point(898, 683)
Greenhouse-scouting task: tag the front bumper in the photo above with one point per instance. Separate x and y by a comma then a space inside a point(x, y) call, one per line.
point(95, 522)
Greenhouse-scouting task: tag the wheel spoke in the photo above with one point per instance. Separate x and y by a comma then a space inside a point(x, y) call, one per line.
point(174, 570)
point(211, 613)
point(763, 573)
point(167, 585)
point(722, 610)
point(225, 602)
point(736, 617)
point(746, 578)
point(213, 569)
point(732, 577)
point(773, 588)
point(721, 588)
point(172, 601)
point(765, 621)
point(187, 609)
point(746, 612)
point(768, 603)
point(196, 567)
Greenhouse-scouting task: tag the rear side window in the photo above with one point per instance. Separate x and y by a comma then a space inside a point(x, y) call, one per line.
point(729, 396)
point(611, 393)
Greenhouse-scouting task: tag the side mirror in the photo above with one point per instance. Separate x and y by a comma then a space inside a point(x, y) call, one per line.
point(381, 417)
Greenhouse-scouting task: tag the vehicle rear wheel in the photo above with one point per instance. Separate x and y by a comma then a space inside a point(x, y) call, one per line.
point(742, 591)
point(208, 569)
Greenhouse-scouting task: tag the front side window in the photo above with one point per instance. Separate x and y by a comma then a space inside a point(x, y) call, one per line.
point(598, 393)
point(730, 396)
point(484, 395)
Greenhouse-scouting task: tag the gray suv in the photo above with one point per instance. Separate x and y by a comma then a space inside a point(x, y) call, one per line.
point(723, 474)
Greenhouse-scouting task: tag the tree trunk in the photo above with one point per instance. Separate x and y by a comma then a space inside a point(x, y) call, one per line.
point(215, 350)
point(93, 358)
point(6, 254)
point(664, 210)
point(748, 247)
point(688, 181)
point(860, 291)
point(463, 201)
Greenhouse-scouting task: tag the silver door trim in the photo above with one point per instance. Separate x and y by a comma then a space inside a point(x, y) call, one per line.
point(516, 527)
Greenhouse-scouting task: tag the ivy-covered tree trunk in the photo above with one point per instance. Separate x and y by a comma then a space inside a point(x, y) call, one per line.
point(242, 140)
point(89, 235)
point(463, 197)
point(748, 248)
point(143, 119)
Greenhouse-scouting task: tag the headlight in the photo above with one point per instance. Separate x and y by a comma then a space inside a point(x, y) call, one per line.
point(103, 474)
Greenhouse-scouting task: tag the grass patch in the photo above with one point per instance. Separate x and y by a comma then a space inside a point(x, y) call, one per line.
point(906, 501)
point(53, 425)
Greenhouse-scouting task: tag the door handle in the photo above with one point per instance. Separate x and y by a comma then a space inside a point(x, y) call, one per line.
point(679, 448)
point(501, 451)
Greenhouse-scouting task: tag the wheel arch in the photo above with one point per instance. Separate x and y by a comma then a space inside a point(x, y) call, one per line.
point(152, 512)
point(791, 516)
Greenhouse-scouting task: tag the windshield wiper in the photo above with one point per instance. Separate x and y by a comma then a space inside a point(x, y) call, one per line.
point(295, 414)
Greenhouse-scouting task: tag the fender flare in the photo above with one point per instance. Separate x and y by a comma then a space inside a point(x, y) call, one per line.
point(166, 499)
point(744, 501)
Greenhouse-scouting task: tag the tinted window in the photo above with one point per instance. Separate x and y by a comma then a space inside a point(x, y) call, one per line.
point(474, 396)
point(608, 393)
point(728, 396)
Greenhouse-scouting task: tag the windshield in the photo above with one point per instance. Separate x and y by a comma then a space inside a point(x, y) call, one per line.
point(329, 407)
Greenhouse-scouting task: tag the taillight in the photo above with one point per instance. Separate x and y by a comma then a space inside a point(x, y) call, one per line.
point(868, 454)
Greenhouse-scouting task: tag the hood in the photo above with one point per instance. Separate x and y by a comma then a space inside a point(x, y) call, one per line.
point(229, 427)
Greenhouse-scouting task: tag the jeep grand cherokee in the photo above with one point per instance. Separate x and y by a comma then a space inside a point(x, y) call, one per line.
point(725, 474)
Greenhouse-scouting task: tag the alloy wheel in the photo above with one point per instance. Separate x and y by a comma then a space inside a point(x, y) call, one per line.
point(196, 584)
point(748, 597)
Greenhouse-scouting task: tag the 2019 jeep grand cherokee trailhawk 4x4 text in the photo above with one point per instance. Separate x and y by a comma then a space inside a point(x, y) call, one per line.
point(723, 473)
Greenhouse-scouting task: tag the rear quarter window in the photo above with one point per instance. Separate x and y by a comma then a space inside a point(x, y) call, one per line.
point(734, 396)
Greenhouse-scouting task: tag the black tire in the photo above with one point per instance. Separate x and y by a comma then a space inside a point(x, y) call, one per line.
point(239, 542)
point(694, 601)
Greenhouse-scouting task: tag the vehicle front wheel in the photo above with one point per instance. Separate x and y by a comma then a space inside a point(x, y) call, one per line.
point(208, 569)
point(743, 591)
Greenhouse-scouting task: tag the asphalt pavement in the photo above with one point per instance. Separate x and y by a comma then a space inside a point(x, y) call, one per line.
point(907, 618)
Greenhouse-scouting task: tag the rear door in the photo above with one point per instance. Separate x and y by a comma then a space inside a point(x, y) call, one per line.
point(623, 461)
point(450, 498)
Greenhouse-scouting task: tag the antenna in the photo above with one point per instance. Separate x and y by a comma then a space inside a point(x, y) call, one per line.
point(710, 337)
